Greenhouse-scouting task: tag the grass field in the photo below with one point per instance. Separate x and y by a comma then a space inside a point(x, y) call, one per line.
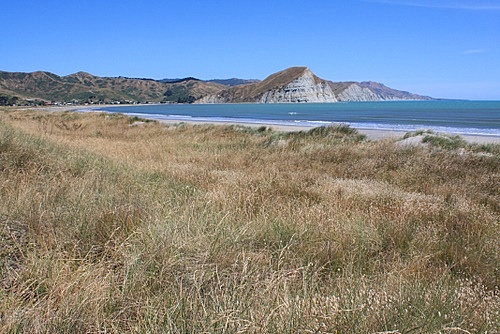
point(111, 226)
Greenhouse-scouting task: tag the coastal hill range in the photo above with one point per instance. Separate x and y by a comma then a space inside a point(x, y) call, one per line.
point(295, 84)
point(83, 87)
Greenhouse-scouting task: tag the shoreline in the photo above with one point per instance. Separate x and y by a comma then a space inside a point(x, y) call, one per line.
point(371, 134)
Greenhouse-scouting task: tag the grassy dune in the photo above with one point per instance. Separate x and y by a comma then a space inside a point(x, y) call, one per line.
point(109, 226)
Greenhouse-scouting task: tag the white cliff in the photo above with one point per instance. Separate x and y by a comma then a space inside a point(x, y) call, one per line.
point(356, 93)
point(305, 88)
point(212, 99)
point(299, 84)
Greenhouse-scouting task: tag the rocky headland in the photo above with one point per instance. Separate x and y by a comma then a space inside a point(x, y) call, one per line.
point(300, 84)
point(292, 85)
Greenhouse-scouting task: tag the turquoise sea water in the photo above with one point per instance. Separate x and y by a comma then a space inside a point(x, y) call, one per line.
point(460, 117)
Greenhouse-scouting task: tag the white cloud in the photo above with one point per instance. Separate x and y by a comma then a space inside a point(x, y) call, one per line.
point(450, 4)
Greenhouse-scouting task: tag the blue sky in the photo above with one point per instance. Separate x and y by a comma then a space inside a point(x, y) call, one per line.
point(442, 48)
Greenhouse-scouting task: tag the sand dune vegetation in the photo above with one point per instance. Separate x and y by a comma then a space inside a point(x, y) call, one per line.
point(110, 225)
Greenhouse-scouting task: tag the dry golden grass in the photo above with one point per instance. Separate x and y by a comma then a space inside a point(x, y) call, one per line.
point(109, 227)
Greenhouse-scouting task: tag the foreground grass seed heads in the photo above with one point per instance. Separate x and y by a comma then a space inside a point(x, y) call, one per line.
point(113, 226)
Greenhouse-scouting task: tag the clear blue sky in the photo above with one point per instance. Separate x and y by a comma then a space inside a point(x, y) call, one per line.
point(442, 48)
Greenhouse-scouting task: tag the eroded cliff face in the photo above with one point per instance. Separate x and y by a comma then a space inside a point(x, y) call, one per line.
point(212, 99)
point(299, 84)
point(305, 88)
point(355, 93)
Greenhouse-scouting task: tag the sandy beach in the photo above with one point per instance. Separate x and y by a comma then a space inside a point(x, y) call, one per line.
point(371, 134)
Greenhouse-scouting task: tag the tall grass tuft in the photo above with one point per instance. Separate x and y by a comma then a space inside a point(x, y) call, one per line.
point(108, 227)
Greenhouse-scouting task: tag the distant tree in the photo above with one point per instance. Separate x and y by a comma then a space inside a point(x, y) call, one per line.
point(6, 100)
point(186, 99)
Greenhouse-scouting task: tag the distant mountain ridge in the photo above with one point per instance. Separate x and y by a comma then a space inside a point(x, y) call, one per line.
point(292, 85)
point(233, 81)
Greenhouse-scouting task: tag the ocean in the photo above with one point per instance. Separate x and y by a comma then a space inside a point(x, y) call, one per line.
point(457, 117)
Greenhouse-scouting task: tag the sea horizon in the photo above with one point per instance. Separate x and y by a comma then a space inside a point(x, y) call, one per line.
point(462, 117)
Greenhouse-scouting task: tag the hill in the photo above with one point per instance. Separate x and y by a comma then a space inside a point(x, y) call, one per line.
point(295, 84)
point(299, 84)
point(233, 81)
point(227, 82)
point(371, 91)
point(83, 87)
